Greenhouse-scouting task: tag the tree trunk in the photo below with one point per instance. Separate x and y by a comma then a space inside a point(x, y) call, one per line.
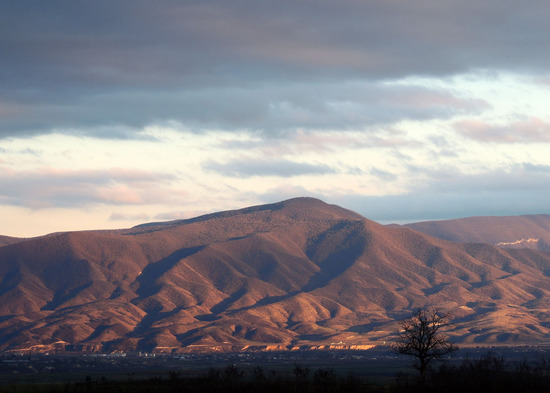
point(423, 370)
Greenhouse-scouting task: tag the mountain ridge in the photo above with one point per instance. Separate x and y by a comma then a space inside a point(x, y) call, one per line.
point(294, 202)
point(299, 273)
point(6, 240)
point(524, 231)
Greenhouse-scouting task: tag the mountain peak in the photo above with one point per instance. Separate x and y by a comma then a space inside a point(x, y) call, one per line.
point(306, 205)
point(294, 207)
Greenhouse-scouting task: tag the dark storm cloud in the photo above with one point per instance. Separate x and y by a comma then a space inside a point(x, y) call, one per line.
point(244, 64)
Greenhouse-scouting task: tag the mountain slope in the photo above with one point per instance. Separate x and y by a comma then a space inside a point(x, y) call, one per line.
point(529, 231)
point(295, 273)
point(5, 240)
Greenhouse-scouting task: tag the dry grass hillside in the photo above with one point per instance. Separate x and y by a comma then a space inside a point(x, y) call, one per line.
point(299, 273)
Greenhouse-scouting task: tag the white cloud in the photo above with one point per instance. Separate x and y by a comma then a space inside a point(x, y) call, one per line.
point(253, 167)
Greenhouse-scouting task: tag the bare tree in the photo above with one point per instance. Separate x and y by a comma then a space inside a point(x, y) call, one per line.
point(421, 336)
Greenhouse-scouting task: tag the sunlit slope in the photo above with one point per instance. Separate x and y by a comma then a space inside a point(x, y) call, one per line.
point(296, 273)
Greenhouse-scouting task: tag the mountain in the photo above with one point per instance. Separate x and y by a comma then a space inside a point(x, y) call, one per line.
point(5, 240)
point(299, 273)
point(529, 231)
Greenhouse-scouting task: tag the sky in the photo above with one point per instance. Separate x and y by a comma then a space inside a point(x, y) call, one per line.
point(117, 113)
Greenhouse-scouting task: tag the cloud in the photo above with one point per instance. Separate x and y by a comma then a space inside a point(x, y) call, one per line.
point(517, 176)
point(137, 43)
point(383, 174)
point(47, 187)
point(517, 189)
point(282, 168)
point(321, 143)
point(341, 98)
point(237, 65)
point(128, 217)
point(272, 109)
point(526, 130)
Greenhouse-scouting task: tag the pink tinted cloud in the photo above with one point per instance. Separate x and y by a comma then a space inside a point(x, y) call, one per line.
point(51, 187)
point(528, 130)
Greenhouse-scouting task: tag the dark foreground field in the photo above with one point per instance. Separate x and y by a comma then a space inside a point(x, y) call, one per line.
point(469, 370)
